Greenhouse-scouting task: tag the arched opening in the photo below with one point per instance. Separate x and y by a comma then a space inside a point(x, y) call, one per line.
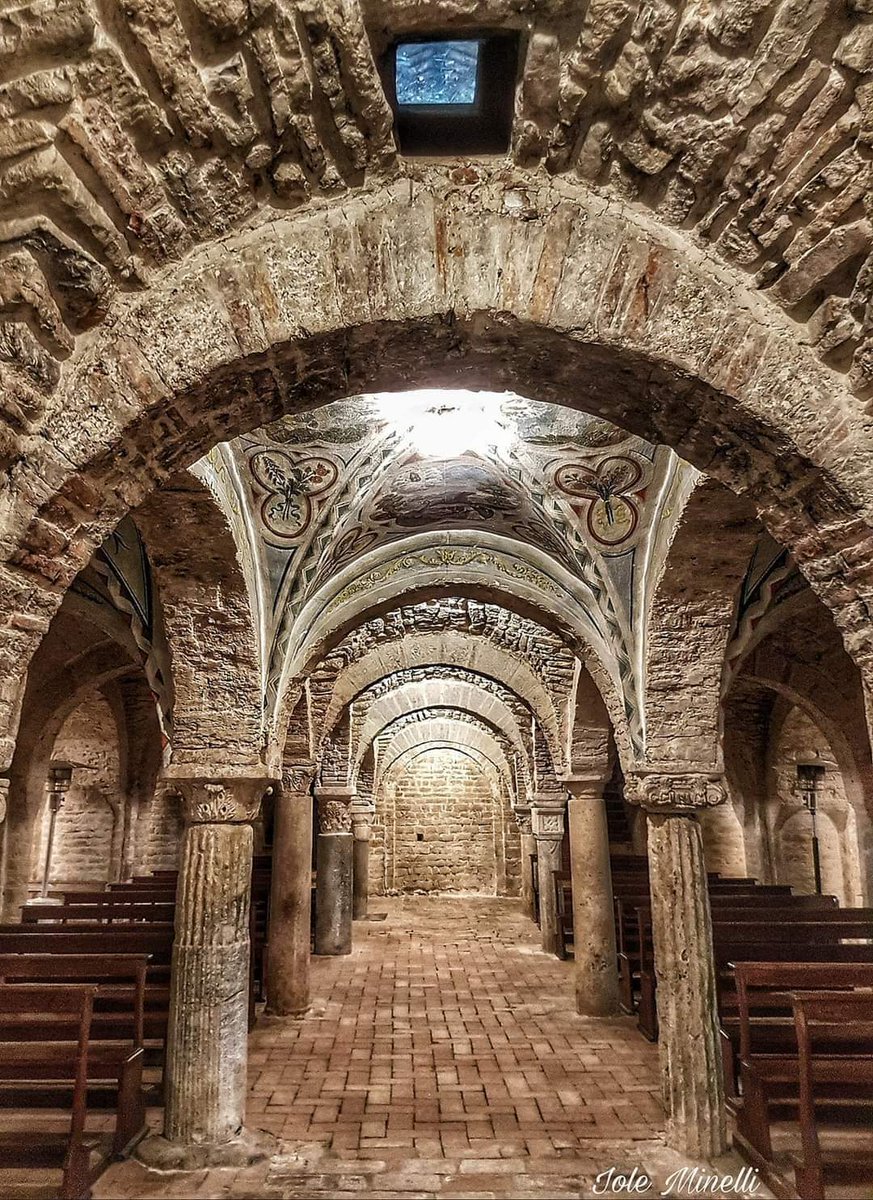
point(89, 826)
point(580, 565)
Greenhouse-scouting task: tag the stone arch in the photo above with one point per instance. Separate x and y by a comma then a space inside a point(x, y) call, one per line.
point(789, 823)
point(90, 823)
point(445, 782)
point(209, 624)
point(692, 606)
point(518, 577)
point(796, 653)
point(430, 694)
point(460, 650)
point(634, 323)
point(476, 577)
point(447, 732)
point(815, 706)
point(50, 699)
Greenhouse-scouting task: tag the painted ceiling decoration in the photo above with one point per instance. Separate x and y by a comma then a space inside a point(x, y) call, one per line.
point(363, 495)
point(119, 576)
point(772, 577)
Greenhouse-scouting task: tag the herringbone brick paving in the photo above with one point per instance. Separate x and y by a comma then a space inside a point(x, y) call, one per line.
point(443, 1057)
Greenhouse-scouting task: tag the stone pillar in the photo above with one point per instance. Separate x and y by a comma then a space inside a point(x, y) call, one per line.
point(362, 815)
point(684, 963)
point(207, 1041)
point(596, 965)
point(521, 812)
point(291, 896)
point(547, 823)
point(333, 867)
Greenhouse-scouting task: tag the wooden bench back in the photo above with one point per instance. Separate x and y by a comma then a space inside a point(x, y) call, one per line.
point(763, 989)
point(96, 969)
point(111, 912)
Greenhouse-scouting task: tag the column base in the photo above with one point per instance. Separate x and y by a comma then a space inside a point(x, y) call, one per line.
point(268, 1017)
point(248, 1147)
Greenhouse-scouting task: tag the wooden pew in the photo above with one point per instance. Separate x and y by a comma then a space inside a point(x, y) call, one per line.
point(107, 913)
point(564, 909)
point(121, 896)
point(823, 1021)
point(155, 941)
point(770, 1062)
point(48, 1049)
point(816, 960)
point(629, 931)
point(131, 997)
point(731, 931)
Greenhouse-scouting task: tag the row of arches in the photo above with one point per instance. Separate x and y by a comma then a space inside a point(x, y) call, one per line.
point(793, 693)
point(601, 313)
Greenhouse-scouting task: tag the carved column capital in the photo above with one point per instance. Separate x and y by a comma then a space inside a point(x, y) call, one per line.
point(547, 812)
point(222, 795)
point(334, 809)
point(522, 815)
point(297, 778)
point(673, 790)
point(362, 810)
point(586, 785)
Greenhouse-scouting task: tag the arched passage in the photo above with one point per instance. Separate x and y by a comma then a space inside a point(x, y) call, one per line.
point(631, 327)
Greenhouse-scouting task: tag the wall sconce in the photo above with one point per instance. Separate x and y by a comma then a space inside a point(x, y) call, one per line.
point(60, 776)
point(811, 770)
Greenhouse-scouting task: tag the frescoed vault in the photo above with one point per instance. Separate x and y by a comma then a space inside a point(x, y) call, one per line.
point(331, 506)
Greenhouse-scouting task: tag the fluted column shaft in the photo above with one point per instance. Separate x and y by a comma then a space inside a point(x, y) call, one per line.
point(594, 950)
point(334, 872)
point(207, 1039)
point(288, 948)
point(207, 1050)
point(547, 822)
point(684, 961)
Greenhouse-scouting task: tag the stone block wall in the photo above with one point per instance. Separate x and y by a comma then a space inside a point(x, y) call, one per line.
point(443, 825)
point(790, 825)
point(159, 833)
point(90, 828)
point(87, 834)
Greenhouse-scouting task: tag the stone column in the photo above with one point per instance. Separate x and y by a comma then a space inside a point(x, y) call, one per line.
point(207, 1041)
point(684, 963)
point(291, 896)
point(362, 811)
point(547, 823)
point(596, 966)
point(521, 812)
point(333, 867)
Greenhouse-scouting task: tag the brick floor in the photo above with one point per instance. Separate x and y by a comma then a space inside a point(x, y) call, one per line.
point(443, 1057)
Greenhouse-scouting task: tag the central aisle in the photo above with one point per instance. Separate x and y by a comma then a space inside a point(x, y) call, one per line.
point(442, 1057)
point(446, 1033)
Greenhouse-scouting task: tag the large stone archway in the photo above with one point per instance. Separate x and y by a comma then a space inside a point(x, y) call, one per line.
point(602, 310)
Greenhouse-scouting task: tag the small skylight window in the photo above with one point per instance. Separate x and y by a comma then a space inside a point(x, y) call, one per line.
point(452, 94)
point(437, 72)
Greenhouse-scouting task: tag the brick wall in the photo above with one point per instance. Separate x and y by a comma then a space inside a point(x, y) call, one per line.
point(790, 824)
point(159, 833)
point(442, 824)
point(87, 842)
point(89, 828)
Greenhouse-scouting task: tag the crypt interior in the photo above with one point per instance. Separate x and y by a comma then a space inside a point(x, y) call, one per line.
point(436, 574)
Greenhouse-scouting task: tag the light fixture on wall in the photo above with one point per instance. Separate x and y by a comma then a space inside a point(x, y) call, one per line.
point(60, 776)
point(811, 770)
point(444, 424)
